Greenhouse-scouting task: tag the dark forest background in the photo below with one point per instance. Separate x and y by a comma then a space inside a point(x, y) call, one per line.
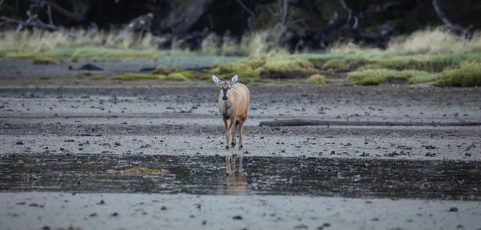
point(312, 24)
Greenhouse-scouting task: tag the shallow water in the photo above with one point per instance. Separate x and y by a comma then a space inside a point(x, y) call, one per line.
point(239, 175)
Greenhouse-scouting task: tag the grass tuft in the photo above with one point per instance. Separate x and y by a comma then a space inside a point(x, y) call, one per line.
point(98, 78)
point(44, 61)
point(317, 79)
point(136, 76)
point(467, 75)
point(379, 76)
point(173, 77)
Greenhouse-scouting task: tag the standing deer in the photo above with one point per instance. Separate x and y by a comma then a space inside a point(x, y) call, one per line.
point(234, 99)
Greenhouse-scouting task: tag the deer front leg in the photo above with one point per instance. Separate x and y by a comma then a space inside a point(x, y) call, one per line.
point(235, 129)
point(230, 130)
point(228, 165)
point(226, 130)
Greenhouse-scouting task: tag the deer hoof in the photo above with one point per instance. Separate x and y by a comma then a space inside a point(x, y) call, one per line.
point(226, 146)
point(233, 144)
point(241, 146)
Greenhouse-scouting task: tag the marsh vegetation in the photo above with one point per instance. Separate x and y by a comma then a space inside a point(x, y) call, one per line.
point(435, 56)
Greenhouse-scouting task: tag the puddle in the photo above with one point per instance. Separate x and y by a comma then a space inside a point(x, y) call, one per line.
point(242, 175)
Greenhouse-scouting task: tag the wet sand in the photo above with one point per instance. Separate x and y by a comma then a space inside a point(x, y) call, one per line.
point(39, 210)
point(387, 157)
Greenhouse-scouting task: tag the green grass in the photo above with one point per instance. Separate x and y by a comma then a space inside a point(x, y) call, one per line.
point(142, 76)
point(249, 68)
point(173, 77)
point(136, 76)
point(431, 55)
point(44, 61)
point(83, 52)
point(379, 76)
point(317, 79)
point(275, 67)
point(468, 74)
point(354, 61)
point(98, 78)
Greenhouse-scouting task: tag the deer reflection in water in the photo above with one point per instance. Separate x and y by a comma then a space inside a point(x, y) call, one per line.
point(235, 178)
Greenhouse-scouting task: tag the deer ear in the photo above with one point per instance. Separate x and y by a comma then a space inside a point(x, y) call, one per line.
point(234, 80)
point(215, 79)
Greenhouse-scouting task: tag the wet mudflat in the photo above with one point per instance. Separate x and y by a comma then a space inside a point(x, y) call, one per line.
point(234, 175)
point(152, 156)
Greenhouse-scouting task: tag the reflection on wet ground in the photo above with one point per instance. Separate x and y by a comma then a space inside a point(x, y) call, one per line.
point(242, 175)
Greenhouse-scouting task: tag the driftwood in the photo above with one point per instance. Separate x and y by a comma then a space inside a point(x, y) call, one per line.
point(303, 122)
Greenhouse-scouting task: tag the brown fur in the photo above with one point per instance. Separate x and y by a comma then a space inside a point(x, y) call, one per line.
point(234, 111)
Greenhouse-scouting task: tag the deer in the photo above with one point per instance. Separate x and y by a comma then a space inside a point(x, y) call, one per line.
point(233, 103)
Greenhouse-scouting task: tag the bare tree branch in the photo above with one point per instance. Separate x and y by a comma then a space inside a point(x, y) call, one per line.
point(249, 11)
point(348, 10)
point(28, 23)
point(80, 8)
point(350, 15)
point(457, 29)
point(283, 11)
point(49, 12)
point(378, 9)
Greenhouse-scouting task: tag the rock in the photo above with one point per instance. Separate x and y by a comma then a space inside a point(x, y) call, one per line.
point(453, 209)
point(301, 226)
point(88, 66)
point(429, 154)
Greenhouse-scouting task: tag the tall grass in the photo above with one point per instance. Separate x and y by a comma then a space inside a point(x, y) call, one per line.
point(434, 41)
point(428, 41)
point(25, 43)
point(44, 40)
point(434, 54)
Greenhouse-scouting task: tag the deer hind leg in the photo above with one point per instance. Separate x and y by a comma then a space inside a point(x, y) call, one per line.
point(241, 130)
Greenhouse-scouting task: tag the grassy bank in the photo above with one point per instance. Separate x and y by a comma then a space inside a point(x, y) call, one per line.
point(432, 56)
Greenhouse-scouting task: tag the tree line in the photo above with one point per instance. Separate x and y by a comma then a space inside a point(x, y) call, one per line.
point(295, 24)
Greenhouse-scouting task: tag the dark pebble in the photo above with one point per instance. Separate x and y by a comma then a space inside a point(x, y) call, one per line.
point(46, 227)
point(430, 154)
point(453, 209)
point(19, 143)
point(301, 226)
point(163, 208)
point(114, 214)
point(238, 217)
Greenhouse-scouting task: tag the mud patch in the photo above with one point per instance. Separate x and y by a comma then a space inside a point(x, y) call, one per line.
point(248, 175)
